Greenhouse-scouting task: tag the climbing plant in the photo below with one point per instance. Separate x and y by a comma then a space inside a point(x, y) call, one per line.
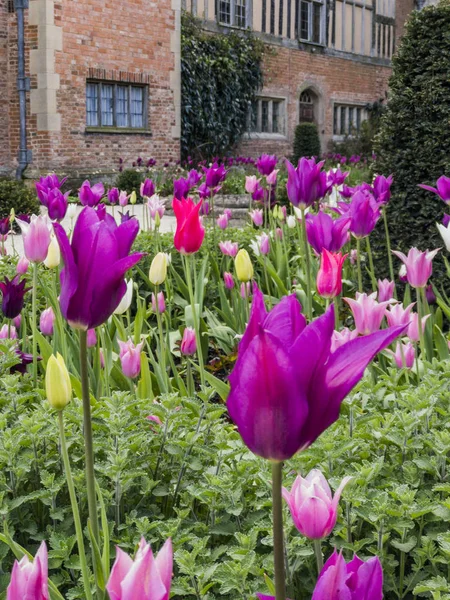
point(220, 77)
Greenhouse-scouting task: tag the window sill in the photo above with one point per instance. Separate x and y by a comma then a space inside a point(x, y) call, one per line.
point(342, 138)
point(118, 130)
point(265, 136)
point(315, 44)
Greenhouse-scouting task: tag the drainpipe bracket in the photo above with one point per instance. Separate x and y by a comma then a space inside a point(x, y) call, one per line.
point(21, 4)
point(23, 84)
point(25, 157)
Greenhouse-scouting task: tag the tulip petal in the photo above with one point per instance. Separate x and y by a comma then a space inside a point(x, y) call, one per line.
point(125, 235)
point(164, 563)
point(143, 580)
point(369, 580)
point(69, 274)
point(286, 321)
point(119, 571)
point(312, 517)
point(17, 586)
point(331, 584)
point(266, 402)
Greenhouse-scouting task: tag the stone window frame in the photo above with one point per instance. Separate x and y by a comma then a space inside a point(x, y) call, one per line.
point(268, 135)
point(116, 128)
point(337, 107)
point(233, 4)
point(310, 5)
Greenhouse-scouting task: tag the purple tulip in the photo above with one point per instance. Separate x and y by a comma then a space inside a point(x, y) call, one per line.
point(125, 216)
point(386, 290)
point(204, 210)
point(382, 188)
point(45, 184)
point(194, 177)
point(419, 266)
point(13, 292)
point(446, 220)
point(57, 203)
point(29, 580)
point(47, 321)
point(324, 232)
point(204, 191)
point(113, 196)
point(442, 188)
point(337, 177)
point(189, 342)
point(347, 192)
point(147, 188)
point(304, 185)
point(324, 186)
point(5, 226)
point(258, 194)
point(364, 213)
point(215, 175)
point(287, 386)
point(266, 164)
point(17, 321)
point(181, 188)
point(130, 358)
point(430, 295)
point(91, 195)
point(313, 508)
point(356, 580)
point(90, 292)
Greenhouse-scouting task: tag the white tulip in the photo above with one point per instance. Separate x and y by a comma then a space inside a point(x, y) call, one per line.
point(291, 222)
point(125, 303)
point(53, 255)
point(71, 210)
point(445, 234)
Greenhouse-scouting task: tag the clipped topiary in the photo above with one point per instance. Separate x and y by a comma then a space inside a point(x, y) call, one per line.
point(413, 142)
point(129, 181)
point(15, 194)
point(306, 141)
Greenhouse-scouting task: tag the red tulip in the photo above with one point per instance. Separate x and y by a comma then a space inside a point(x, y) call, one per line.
point(190, 231)
point(329, 277)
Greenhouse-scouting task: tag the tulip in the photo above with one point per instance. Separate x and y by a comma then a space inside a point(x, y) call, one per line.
point(71, 210)
point(418, 266)
point(22, 266)
point(92, 281)
point(204, 192)
point(367, 312)
point(398, 315)
point(279, 233)
point(442, 188)
point(386, 290)
point(264, 245)
point(188, 343)
point(272, 178)
point(154, 419)
point(228, 280)
point(113, 195)
point(147, 188)
point(53, 255)
point(158, 269)
point(46, 184)
point(246, 290)
point(57, 204)
point(194, 177)
point(404, 355)
point(57, 383)
point(291, 222)
point(215, 175)
point(36, 237)
point(446, 220)
point(342, 337)
point(123, 198)
point(257, 216)
point(243, 266)
point(17, 321)
point(258, 194)
point(91, 195)
point(287, 386)
point(156, 207)
point(382, 188)
point(402, 274)
point(266, 164)
point(430, 295)
point(133, 197)
point(13, 292)
point(364, 213)
point(356, 580)
point(204, 211)
point(304, 182)
point(312, 506)
point(222, 221)
point(130, 358)
point(146, 578)
point(324, 232)
point(413, 328)
point(190, 231)
point(445, 234)
point(158, 303)
point(329, 276)
point(29, 580)
point(8, 332)
point(181, 188)
point(4, 226)
point(91, 338)
point(227, 212)
point(46, 321)
point(125, 303)
point(229, 248)
point(251, 183)
point(337, 177)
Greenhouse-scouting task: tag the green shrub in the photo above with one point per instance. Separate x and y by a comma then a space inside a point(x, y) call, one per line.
point(306, 141)
point(129, 180)
point(15, 194)
point(413, 143)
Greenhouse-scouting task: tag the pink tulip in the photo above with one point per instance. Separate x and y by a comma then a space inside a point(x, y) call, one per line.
point(190, 232)
point(329, 276)
point(279, 233)
point(397, 315)
point(367, 312)
point(257, 216)
point(227, 212)
point(386, 290)
point(159, 303)
point(264, 244)
point(46, 321)
point(229, 248)
point(29, 580)
point(404, 355)
point(228, 280)
point(189, 342)
point(22, 266)
point(413, 329)
point(102, 359)
point(402, 274)
point(91, 338)
point(8, 332)
point(313, 508)
point(36, 237)
point(155, 419)
point(156, 207)
point(123, 198)
point(145, 578)
point(246, 290)
point(130, 358)
point(419, 266)
point(17, 321)
point(272, 178)
point(222, 221)
point(340, 338)
point(251, 183)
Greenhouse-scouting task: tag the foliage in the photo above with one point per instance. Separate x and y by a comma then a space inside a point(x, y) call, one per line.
point(306, 141)
point(129, 180)
point(362, 143)
point(15, 194)
point(220, 75)
point(413, 143)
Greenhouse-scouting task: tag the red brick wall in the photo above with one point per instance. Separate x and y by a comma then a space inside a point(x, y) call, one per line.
point(4, 104)
point(402, 10)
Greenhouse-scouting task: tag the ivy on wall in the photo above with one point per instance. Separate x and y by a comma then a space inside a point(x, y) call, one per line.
point(220, 77)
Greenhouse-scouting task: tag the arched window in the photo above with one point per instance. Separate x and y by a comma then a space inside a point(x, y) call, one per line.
point(308, 100)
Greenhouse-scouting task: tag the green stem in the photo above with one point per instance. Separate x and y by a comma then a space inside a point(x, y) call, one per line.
point(308, 266)
point(337, 323)
point(161, 337)
point(388, 244)
point(267, 282)
point(195, 319)
point(278, 542)
point(75, 511)
point(319, 555)
point(33, 323)
point(420, 311)
point(358, 263)
point(286, 256)
point(372, 269)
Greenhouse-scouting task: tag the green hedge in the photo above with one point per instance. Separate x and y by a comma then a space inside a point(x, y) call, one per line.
point(15, 194)
point(306, 141)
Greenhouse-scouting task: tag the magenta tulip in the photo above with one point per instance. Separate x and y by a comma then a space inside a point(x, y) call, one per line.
point(57, 204)
point(147, 189)
point(215, 175)
point(228, 280)
point(47, 321)
point(46, 184)
point(17, 321)
point(337, 177)
point(313, 508)
point(364, 213)
point(404, 355)
point(189, 342)
point(419, 266)
point(367, 312)
point(398, 315)
point(22, 266)
point(91, 195)
point(324, 232)
point(194, 177)
point(190, 231)
point(287, 386)
point(113, 196)
point(386, 290)
point(181, 188)
point(145, 577)
point(29, 580)
point(158, 303)
point(442, 188)
point(266, 164)
point(304, 185)
point(329, 276)
point(91, 338)
point(36, 237)
point(13, 294)
point(130, 358)
point(382, 188)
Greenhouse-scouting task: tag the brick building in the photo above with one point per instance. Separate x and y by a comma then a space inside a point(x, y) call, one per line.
point(101, 82)
point(326, 60)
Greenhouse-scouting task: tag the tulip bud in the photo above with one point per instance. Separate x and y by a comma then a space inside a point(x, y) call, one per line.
point(123, 198)
point(133, 197)
point(245, 290)
point(46, 321)
point(158, 269)
point(157, 220)
point(36, 237)
point(22, 266)
point(189, 342)
point(228, 280)
point(8, 332)
point(291, 222)
point(12, 216)
point(57, 383)
point(130, 358)
point(17, 321)
point(125, 303)
point(54, 254)
point(91, 338)
point(71, 210)
point(222, 221)
point(329, 277)
point(158, 303)
point(243, 266)
point(264, 244)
